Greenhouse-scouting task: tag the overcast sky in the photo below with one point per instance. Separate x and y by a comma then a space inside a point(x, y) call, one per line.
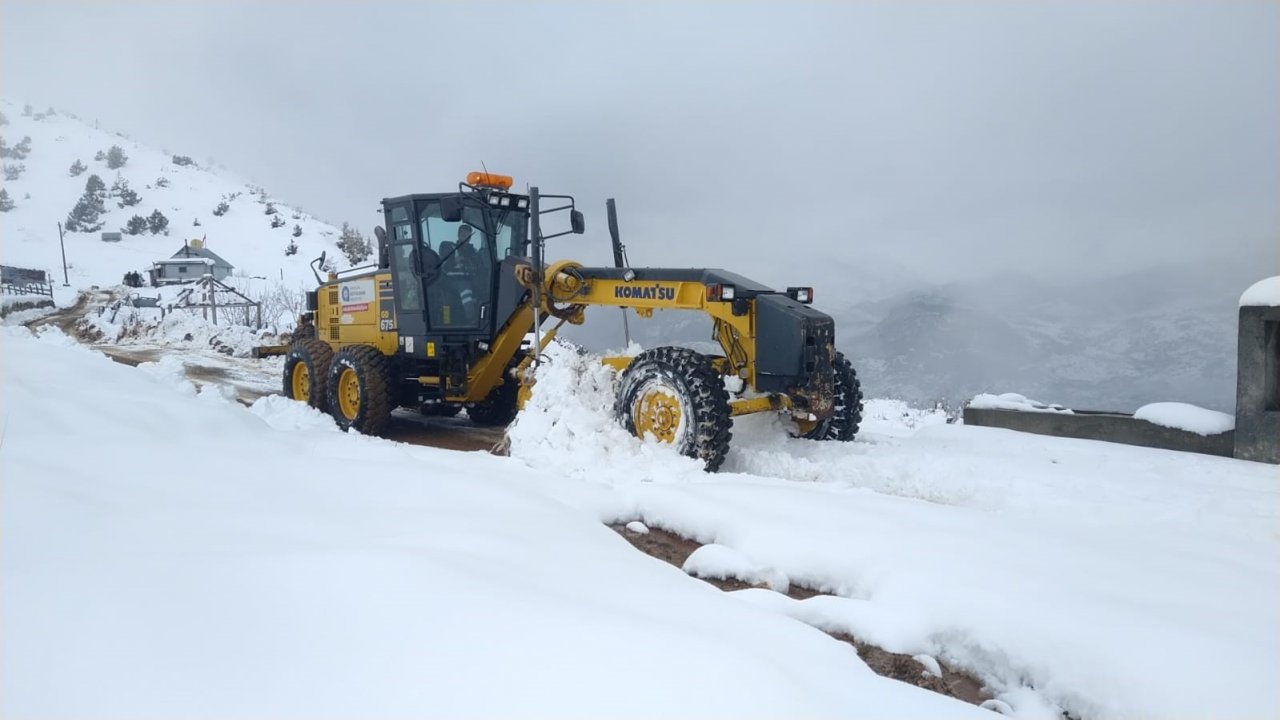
point(907, 139)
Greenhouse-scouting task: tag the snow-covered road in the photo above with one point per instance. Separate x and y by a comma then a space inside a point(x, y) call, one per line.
point(166, 552)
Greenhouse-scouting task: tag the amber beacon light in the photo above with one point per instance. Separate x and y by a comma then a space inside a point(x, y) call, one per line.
point(490, 180)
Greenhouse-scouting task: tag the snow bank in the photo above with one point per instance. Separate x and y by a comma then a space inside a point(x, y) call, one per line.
point(1182, 416)
point(1013, 401)
point(163, 555)
point(1265, 292)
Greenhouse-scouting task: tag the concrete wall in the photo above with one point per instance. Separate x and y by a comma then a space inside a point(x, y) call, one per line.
point(1110, 427)
point(1258, 385)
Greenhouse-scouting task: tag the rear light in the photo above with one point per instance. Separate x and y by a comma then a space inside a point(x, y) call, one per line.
point(801, 294)
point(720, 291)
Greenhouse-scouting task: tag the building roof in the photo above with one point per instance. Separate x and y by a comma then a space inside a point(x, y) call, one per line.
point(186, 251)
point(193, 260)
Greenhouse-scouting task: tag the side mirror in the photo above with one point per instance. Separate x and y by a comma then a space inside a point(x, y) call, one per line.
point(383, 260)
point(451, 208)
point(576, 222)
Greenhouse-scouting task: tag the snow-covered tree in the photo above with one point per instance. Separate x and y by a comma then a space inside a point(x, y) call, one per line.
point(3, 120)
point(26, 110)
point(276, 222)
point(183, 160)
point(353, 245)
point(120, 189)
point(158, 223)
point(222, 209)
point(6, 204)
point(77, 167)
point(13, 172)
point(86, 216)
point(162, 182)
point(95, 186)
point(297, 231)
point(291, 248)
point(270, 210)
point(100, 156)
point(116, 157)
point(136, 226)
point(22, 149)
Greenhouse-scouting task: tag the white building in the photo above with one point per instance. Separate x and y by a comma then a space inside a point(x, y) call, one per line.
point(191, 262)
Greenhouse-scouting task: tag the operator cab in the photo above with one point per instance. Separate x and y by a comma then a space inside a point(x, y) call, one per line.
point(451, 258)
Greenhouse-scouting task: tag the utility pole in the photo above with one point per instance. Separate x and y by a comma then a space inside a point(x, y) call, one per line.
point(63, 245)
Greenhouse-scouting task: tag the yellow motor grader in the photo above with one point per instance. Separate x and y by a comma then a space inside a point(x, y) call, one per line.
point(452, 316)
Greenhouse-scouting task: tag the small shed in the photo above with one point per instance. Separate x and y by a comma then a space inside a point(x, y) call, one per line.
point(112, 237)
point(192, 262)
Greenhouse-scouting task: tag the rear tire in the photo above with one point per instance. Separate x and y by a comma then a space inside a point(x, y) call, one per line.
point(359, 389)
point(847, 416)
point(306, 372)
point(675, 395)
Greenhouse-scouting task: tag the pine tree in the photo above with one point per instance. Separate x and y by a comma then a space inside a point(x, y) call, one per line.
point(297, 231)
point(95, 185)
point(86, 216)
point(158, 223)
point(136, 225)
point(3, 120)
point(162, 182)
point(183, 160)
point(222, 209)
point(13, 172)
point(291, 248)
point(4, 148)
point(100, 156)
point(276, 222)
point(116, 157)
point(26, 110)
point(77, 167)
point(271, 209)
point(353, 245)
point(22, 149)
point(5, 203)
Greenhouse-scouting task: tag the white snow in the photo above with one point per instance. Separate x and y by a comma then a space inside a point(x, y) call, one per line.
point(1013, 401)
point(1265, 292)
point(930, 664)
point(164, 555)
point(637, 527)
point(1183, 416)
point(724, 563)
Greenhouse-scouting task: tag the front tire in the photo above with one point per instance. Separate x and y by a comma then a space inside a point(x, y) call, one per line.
point(675, 396)
point(359, 389)
point(306, 372)
point(847, 416)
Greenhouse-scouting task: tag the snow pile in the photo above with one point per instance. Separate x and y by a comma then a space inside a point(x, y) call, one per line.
point(128, 325)
point(1013, 401)
point(1265, 292)
point(163, 555)
point(568, 424)
point(1182, 416)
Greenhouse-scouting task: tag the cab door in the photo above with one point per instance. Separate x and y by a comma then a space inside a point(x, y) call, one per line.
point(406, 277)
point(458, 268)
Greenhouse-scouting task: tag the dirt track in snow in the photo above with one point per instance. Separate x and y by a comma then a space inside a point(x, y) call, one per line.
point(675, 549)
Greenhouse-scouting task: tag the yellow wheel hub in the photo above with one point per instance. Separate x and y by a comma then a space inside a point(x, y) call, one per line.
point(657, 412)
point(301, 382)
point(349, 394)
point(804, 427)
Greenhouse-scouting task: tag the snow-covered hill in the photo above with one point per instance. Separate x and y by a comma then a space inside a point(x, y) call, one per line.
point(45, 192)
